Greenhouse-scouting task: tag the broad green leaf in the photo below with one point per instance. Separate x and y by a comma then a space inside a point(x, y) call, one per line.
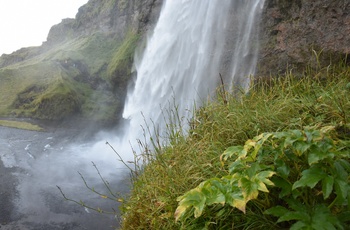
point(249, 189)
point(237, 166)
point(310, 134)
point(294, 216)
point(280, 135)
point(214, 190)
point(262, 176)
point(327, 186)
point(345, 164)
point(341, 172)
point(297, 134)
point(191, 198)
point(236, 199)
point(232, 151)
point(292, 136)
point(297, 193)
point(259, 144)
point(341, 188)
point(296, 205)
point(232, 193)
point(284, 185)
point(316, 154)
point(322, 218)
point(301, 147)
point(299, 225)
point(252, 170)
point(277, 211)
point(310, 177)
point(282, 168)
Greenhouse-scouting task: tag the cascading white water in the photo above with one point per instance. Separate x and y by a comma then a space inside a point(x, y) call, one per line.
point(183, 58)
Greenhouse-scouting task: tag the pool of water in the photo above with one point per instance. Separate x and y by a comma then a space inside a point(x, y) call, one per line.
point(34, 163)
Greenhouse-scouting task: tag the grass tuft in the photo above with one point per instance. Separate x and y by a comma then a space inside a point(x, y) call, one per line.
point(319, 98)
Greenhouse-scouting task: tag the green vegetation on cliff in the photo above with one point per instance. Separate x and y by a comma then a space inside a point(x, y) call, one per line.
point(119, 69)
point(20, 125)
point(85, 77)
point(315, 101)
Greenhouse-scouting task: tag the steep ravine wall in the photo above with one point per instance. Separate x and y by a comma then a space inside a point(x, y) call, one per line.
point(291, 30)
point(109, 17)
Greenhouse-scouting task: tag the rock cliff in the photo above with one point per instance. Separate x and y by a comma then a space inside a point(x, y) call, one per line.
point(295, 33)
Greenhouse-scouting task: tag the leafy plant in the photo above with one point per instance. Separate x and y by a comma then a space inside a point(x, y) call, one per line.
point(304, 175)
point(287, 102)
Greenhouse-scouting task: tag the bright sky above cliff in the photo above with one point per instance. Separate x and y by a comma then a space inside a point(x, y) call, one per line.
point(25, 23)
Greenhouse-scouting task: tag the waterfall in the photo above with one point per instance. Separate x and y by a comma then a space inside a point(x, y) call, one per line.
point(193, 42)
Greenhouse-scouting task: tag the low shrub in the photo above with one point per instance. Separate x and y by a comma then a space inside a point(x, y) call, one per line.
point(299, 176)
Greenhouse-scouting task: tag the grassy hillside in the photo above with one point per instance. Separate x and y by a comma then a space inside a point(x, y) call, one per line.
point(68, 79)
point(318, 99)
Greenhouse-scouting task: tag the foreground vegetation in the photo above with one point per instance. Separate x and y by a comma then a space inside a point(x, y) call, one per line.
point(275, 158)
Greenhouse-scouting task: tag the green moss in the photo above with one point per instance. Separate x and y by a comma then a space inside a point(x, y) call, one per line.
point(66, 80)
point(55, 101)
point(102, 106)
point(119, 68)
point(20, 125)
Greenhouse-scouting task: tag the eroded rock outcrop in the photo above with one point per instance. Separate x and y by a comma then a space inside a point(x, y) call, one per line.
point(293, 33)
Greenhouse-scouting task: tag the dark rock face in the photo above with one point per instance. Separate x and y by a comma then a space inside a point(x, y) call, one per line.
point(291, 30)
point(109, 17)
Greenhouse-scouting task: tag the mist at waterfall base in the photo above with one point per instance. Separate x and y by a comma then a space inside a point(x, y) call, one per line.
point(193, 42)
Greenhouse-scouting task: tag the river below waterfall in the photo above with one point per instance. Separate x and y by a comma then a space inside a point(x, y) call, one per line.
point(33, 163)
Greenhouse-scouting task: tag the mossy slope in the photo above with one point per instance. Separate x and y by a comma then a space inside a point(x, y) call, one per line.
point(319, 98)
point(69, 79)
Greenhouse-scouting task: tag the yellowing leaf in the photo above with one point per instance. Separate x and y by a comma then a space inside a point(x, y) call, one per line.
point(262, 187)
point(239, 204)
point(191, 198)
point(249, 189)
point(236, 200)
point(179, 212)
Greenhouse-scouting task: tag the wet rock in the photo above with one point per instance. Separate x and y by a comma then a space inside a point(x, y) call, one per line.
point(296, 33)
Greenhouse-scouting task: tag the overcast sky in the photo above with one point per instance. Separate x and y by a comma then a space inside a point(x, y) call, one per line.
point(25, 23)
